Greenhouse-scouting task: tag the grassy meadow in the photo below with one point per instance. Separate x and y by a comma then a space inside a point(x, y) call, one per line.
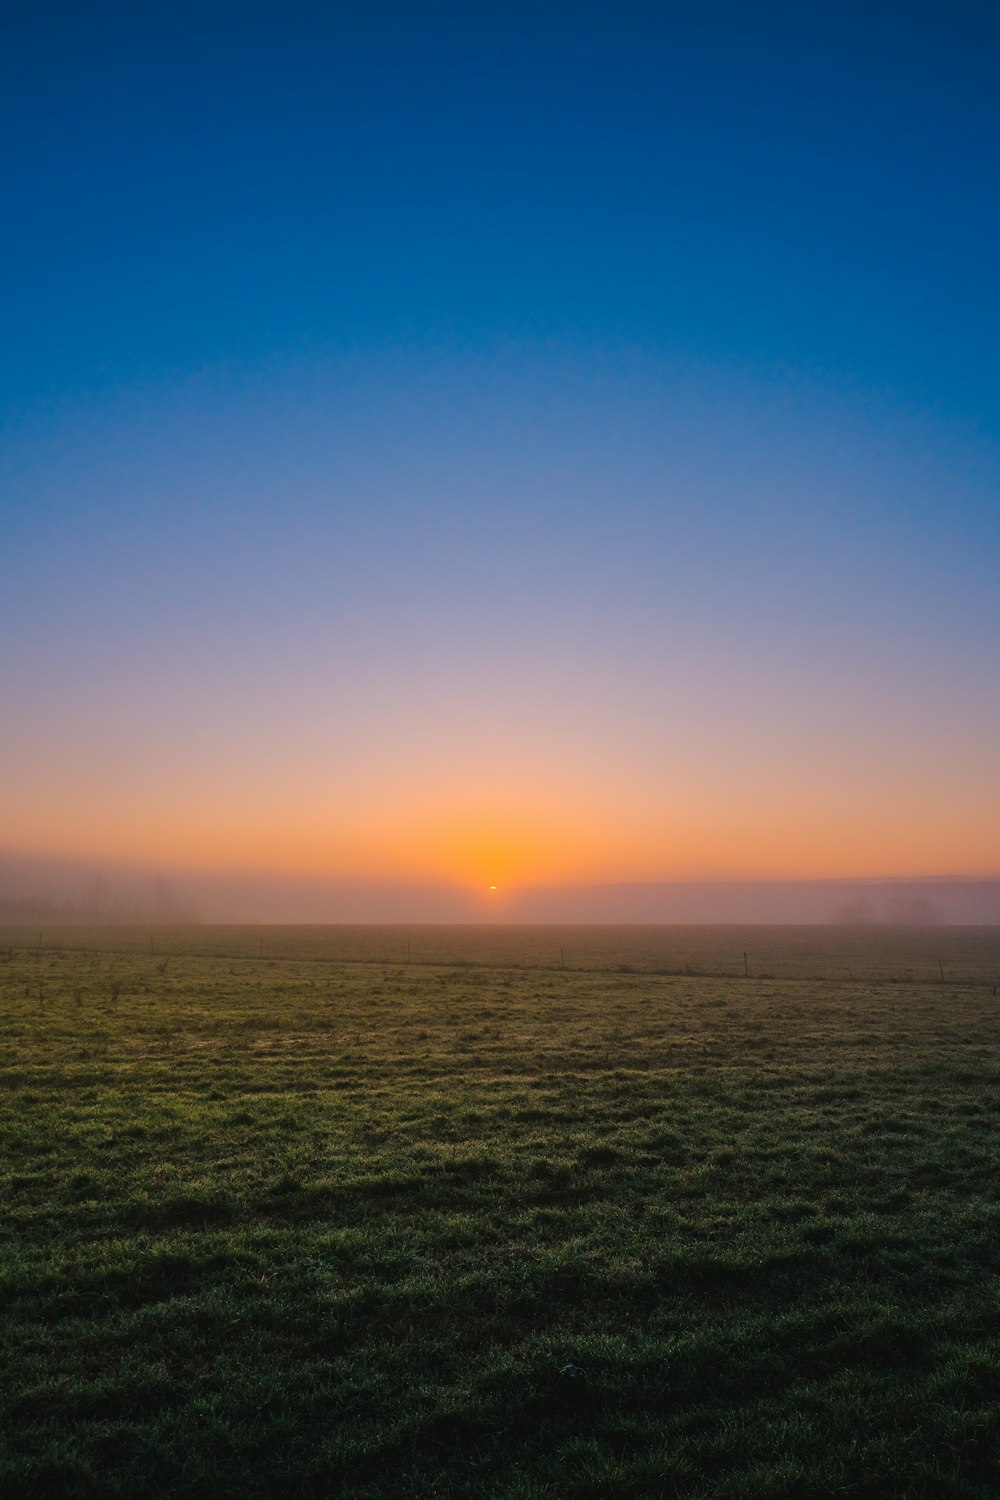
point(523, 1213)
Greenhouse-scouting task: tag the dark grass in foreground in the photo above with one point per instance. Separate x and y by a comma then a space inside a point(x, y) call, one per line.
point(306, 1226)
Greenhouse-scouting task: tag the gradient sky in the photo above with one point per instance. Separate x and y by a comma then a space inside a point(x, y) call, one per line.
point(474, 445)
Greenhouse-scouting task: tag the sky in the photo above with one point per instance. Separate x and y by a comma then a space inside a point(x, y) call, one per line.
point(447, 447)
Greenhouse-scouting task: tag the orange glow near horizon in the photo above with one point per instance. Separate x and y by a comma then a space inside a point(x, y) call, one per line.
point(489, 801)
point(529, 840)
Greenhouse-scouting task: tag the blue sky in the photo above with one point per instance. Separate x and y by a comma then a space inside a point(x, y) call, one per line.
point(582, 408)
point(809, 185)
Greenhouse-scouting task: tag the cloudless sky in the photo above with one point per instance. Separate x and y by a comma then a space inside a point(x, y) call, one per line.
point(501, 444)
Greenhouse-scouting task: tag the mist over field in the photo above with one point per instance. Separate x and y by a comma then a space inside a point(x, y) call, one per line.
point(62, 890)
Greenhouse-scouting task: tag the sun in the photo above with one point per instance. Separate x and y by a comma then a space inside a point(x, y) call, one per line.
point(492, 887)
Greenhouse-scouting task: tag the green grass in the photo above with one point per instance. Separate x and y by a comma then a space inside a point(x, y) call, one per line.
point(308, 1222)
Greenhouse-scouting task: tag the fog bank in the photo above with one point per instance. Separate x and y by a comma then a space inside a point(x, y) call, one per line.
point(64, 890)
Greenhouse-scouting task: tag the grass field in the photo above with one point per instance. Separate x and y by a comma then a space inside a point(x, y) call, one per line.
point(517, 1213)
